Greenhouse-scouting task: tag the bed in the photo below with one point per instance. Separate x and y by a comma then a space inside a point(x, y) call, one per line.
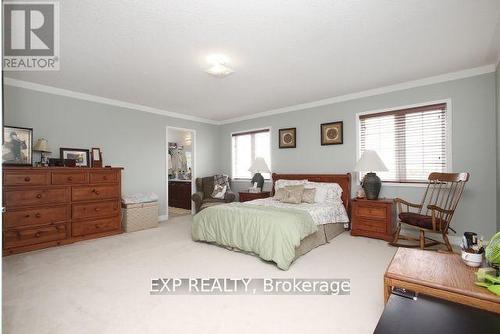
point(276, 231)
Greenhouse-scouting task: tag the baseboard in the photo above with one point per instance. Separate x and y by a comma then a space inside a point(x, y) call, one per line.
point(162, 218)
point(454, 239)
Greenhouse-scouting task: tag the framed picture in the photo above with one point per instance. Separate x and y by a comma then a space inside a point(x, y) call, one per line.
point(288, 138)
point(96, 157)
point(17, 146)
point(80, 155)
point(332, 133)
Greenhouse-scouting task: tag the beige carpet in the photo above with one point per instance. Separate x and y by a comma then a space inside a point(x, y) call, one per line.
point(102, 286)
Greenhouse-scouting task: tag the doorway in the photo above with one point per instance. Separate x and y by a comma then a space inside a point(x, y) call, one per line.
point(181, 171)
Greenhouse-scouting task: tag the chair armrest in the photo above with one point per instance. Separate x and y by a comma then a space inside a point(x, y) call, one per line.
point(197, 198)
point(229, 197)
point(403, 202)
point(438, 209)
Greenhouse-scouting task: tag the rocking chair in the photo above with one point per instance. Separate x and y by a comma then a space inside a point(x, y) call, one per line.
point(435, 211)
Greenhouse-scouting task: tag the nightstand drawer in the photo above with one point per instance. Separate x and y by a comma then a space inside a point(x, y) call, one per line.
point(372, 212)
point(371, 225)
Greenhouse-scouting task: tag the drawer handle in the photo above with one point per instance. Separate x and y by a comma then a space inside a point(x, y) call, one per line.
point(96, 209)
point(104, 177)
point(18, 235)
point(38, 196)
point(27, 216)
point(95, 192)
point(38, 215)
point(37, 234)
point(27, 179)
point(96, 225)
point(70, 178)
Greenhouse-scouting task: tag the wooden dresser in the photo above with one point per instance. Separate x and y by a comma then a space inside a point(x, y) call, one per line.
point(47, 207)
point(373, 218)
point(179, 194)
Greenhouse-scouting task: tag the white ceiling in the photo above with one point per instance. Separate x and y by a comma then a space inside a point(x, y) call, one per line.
point(284, 52)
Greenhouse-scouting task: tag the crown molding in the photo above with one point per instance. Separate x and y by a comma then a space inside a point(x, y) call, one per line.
point(342, 98)
point(371, 92)
point(99, 99)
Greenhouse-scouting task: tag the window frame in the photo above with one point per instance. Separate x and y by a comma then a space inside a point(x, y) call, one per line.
point(249, 131)
point(448, 148)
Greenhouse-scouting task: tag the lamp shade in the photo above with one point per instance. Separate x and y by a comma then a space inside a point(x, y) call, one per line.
point(370, 162)
point(259, 166)
point(42, 145)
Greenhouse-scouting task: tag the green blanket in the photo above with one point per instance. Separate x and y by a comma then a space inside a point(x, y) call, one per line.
point(271, 233)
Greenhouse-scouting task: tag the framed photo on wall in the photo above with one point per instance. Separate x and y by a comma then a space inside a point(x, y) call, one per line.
point(80, 155)
point(332, 133)
point(288, 138)
point(17, 146)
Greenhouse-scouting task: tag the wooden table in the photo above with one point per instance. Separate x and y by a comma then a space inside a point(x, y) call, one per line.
point(246, 196)
point(440, 275)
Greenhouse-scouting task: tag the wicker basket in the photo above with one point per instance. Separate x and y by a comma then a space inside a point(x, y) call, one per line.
point(140, 216)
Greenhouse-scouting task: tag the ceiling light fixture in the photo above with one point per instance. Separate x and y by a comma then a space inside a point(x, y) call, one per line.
point(219, 66)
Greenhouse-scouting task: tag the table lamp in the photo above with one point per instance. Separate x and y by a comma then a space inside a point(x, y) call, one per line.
point(259, 166)
point(370, 162)
point(42, 146)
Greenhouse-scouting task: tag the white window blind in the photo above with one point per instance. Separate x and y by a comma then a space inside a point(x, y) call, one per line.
point(411, 142)
point(246, 146)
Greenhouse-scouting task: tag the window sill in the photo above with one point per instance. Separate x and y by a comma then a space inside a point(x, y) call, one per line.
point(407, 185)
point(248, 180)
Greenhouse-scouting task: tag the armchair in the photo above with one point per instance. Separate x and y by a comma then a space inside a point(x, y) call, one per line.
point(202, 198)
point(435, 211)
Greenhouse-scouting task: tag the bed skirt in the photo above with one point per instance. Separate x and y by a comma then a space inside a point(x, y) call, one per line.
point(324, 234)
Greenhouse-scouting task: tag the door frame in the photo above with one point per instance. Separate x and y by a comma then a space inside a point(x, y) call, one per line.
point(194, 161)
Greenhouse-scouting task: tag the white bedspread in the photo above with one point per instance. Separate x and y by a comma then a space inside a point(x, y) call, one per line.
point(321, 213)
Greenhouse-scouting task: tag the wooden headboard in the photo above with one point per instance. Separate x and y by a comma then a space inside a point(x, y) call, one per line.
point(344, 181)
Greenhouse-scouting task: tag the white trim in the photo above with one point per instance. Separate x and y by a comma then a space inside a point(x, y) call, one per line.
point(270, 128)
point(371, 92)
point(163, 218)
point(449, 131)
point(100, 99)
point(342, 98)
point(194, 161)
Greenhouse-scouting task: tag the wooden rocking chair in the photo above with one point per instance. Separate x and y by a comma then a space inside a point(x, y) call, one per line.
point(435, 211)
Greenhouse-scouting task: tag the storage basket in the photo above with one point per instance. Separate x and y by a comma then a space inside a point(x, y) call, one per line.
point(139, 216)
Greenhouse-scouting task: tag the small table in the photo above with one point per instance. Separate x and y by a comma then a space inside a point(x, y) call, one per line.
point(248, 196)
point(373, 218)
point(440, 275)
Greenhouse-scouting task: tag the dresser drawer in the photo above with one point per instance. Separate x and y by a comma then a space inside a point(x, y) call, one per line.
point(34, 235)
point(41, 216)
point(95, 210)
point(372, 211)
point(15, 198)
point(26, 178)
point(104, 177)
point(370, 225)
point(94, 193)
point(69, 178)
point(95, 226)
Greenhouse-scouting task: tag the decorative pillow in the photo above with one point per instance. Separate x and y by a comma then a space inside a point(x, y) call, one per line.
point(219, 191)
point(284, 183)
point(308, 195)
point(222, 180)
point(293, 194)
point(279, 193)
point(326, 192)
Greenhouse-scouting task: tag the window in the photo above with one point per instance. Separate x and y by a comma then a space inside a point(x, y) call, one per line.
point(246, 146)
point(412, 142)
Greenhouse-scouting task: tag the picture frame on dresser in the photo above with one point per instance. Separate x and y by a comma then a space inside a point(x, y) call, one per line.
point(80, 155)
point(17, 148)
point(96, 157)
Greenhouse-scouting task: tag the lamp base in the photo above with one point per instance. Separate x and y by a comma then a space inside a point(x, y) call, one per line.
point(259, 179)
point(372, 185)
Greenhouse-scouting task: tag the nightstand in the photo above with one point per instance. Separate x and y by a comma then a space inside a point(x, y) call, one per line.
point(373, 218)
point(247, 196)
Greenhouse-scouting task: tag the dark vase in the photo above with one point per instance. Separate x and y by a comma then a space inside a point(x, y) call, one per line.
point(371, 185)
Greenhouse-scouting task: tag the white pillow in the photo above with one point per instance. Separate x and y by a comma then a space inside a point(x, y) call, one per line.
point(219, 191)
point(325, 192)
point(283, 183)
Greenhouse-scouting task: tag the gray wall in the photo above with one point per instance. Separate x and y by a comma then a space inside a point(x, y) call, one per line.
point(473, 143)
point(128, 138)
point(498, 144)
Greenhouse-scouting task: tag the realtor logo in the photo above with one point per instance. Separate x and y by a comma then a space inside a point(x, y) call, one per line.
point(31, 36)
